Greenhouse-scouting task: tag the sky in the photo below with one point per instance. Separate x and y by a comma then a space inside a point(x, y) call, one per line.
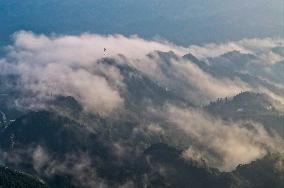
point(183, 22)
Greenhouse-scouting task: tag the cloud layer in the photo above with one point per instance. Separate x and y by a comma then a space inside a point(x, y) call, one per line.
point(224, 145)
point(50, 66)
point(68, 65)
point(245, 46)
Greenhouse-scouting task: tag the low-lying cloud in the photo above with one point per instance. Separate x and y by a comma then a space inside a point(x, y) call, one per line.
point(76, 165)
point(49, 66)
point(224, 145)
point(245, 46)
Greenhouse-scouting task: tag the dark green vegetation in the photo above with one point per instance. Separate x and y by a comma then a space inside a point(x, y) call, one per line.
point(266, 172)
point(249, 106)
point(157, 166)
point(177, 172)
point(13, 179)
point(66, 144)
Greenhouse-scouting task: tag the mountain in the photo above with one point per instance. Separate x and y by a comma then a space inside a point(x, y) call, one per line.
point(159, 137)
point(243, 104)
point(249, 106)
point(196, 61)
point(141, 88)
point(233, 60)
point(10, 178)
point(168, 169)
point(266, 172)
point(244, 67)
point(66, 154)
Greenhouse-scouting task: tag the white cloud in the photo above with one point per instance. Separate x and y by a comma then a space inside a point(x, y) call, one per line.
point(206, 85)
point(246, 46)
point(224, 145)
point(85, 48)
point(68, 65)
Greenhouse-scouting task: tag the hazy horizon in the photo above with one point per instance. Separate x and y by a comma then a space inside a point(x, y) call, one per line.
point(183, 22)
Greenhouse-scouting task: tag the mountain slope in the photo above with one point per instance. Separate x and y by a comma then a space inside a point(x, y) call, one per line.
point(266, 172)
point(249, 106)
point(67, 152)
point(13, 179)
